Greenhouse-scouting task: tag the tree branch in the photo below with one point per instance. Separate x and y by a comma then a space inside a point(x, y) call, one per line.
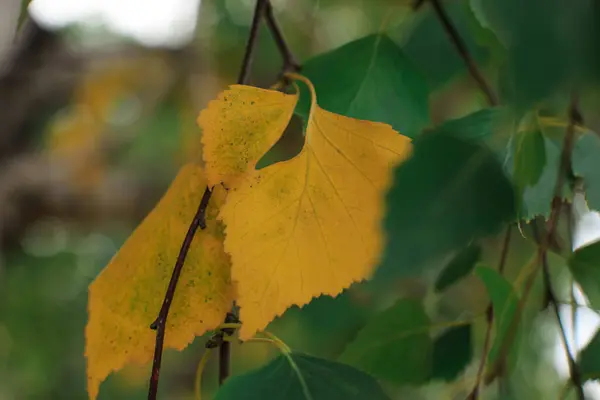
point(557, 203)
point(474, 395)
point(161, 321)
point(573, 369)
point(289, 61)
point(262, 7)
point(462, 49)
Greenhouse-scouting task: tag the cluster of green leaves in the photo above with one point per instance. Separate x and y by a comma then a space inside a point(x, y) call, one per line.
point(467, 180)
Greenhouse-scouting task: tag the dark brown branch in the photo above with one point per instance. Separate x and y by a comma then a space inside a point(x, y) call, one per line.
point(259, 11)
point(262, 7)
point(461, 47)
point(474, 395)
point(161, 321)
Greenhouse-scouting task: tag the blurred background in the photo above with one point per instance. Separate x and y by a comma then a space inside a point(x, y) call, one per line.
point(98, 103)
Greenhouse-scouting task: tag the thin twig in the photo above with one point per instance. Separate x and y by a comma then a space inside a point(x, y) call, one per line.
point(262, 7)
point(462, 49)
point(161, 321)
point(259, 12)
point(474, 395)
point(557, 202)
point(199, 221)
point(289, 61)
point(573, 369)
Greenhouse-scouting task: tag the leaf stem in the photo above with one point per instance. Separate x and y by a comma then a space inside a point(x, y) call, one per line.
point(199, 371)
point(461, 48)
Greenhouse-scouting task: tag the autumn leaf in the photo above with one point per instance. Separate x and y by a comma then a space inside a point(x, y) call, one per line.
point(126, 297)
point(310, 225)
point(239, 127)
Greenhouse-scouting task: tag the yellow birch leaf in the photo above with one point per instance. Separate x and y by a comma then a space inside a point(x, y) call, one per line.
point(310, 225)
point(127, 295)
point(239, 127)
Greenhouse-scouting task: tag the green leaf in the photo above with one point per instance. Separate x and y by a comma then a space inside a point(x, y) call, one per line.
point(589, 359)
point(395, 345)
point(369, 78)
point(550, 44)
point(452, 352)
point(478, 125)
point(586, 164)
point(529, 158)
point(505, 302)
point(325, 325)
point(297, 376)
point(536, 200)
point(459, 267)
point(430, 49)
point(447, 194)
point(585, 267)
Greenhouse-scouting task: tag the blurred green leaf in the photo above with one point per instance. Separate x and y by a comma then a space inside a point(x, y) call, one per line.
point(447, 194)
point(430, 49)
point(586, 164)
point(584, 264)
point(505, 302)
point(394, 345)
point(478, 125)
point(325, 325)
point(452, 352)
point(459, 267)
point(536, 200)
point(298, 376)
point(550, 43)
point(589, 359)
point(529, 158)
point(369, 78)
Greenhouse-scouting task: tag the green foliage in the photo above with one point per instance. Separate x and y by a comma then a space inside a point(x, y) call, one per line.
point(461, 193)
point(586, 164)
point(325, 325)
point(297, 376)
point(479, 125)
point(460, 266)
point(452, 352)
point(505, 302)
point(536, 199)
point(589, 361)
point(549, 44)
point(529, 158)
point(394, 345)
point(428, 47)
point(585, 267)
point(372, 79)
point(467, 179)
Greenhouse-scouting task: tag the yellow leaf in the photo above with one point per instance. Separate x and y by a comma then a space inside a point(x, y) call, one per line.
point(239, 127)
point(127, 295)
point(310, 225)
